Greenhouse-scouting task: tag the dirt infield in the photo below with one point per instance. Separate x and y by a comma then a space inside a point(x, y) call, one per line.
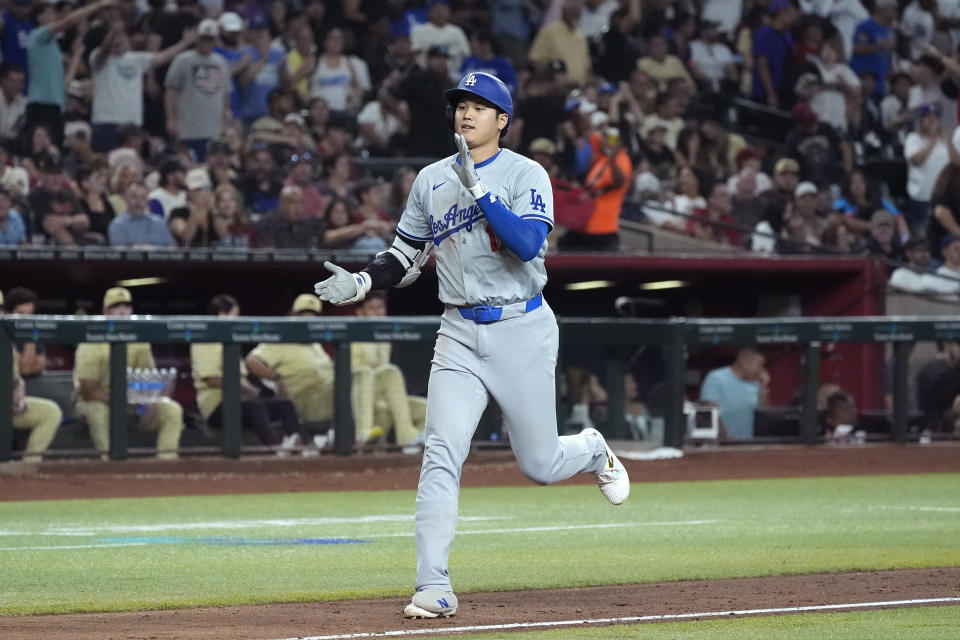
point(485, 468)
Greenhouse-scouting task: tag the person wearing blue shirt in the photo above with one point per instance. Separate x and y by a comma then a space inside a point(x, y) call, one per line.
point(873, 44)
point(137, 228)
point(773, 52)
point(738, 390)
point(482, 58)
point(12, 230)
point(231, 28)
point(262, 74)
point(15, 25)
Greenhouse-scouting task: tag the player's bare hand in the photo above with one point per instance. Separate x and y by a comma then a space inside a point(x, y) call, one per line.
point(342, 287)
point(465, 169)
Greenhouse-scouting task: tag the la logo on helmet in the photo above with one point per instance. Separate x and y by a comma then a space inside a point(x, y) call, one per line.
point(471, 80)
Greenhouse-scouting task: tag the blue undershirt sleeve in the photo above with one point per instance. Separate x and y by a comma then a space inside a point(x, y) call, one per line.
point(523, 237)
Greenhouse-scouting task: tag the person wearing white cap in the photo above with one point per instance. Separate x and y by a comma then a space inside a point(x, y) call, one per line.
point(231, 48)
point(118, 82)
point(192, 225)
point(197, 96)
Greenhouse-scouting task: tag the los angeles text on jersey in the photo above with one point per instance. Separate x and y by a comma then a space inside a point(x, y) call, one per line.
point(454, 220)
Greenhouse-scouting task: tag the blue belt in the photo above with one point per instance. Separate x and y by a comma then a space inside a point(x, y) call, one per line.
point(485, 314)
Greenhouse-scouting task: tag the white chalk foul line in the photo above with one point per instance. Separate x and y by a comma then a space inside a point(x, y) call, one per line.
point(75, 546)
point(625, 619)
point(568, 527)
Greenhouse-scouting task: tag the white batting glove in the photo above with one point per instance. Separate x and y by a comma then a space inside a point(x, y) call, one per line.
point(465, 169)
point(342, 287)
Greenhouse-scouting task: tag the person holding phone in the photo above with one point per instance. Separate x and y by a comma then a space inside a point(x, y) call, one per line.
point(607, 181)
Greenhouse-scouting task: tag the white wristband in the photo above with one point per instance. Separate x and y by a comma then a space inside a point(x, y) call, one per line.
point(477, 190)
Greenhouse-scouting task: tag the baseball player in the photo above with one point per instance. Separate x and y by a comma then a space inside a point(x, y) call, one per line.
point(485, 212)
point(91, 379)
point(41, 416)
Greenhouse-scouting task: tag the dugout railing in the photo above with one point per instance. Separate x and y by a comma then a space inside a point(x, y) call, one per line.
point(616, 336)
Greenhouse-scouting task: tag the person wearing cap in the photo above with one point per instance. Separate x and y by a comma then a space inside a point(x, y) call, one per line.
point(118, 82)
point(915, 277)
point(137, 227)
point(926, 154)
point(206, 364)
point(230, 47)
point(13, 231)
point(749, 181)
point(882, 239)
point(438, 31)
point(874, 43)
point(170, 193)
point(40, 416)
point(772, 51)
point(46, 88)
point(661, 65)
point(263, 72)
point(302, 373)
point(560, 40)
point(91, 380)
point(769, 206)
point(192, 225)
point(196, 95)
point(56, 212)
point(950, 249)
point(824, 156)
point(484, 58)
point(378, 390)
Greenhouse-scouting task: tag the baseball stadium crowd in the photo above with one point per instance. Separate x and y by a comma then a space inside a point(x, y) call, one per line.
point(778, 127)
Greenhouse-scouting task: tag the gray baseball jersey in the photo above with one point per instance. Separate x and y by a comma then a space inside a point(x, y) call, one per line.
point(472, 265)
point(512, 359)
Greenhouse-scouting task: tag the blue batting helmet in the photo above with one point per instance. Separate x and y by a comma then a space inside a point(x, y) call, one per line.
point(485, 86)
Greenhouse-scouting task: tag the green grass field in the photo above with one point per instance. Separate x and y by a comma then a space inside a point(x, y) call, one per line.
point(131, 554)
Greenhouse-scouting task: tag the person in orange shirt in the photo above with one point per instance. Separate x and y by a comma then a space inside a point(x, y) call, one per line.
point(607, 181)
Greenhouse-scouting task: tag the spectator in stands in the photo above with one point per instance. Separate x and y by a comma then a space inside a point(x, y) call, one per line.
point(837, 238)
point(539, 108)
point(882, 239)
point(512, 25)
point(42, 417)
point(91, 378)
point(400, 190)
point(372, 206)
point(170, 194)
point(343, 232)
point(301, 372)
point(93, 199)
point(661, 65)
point(300, 170)
point(13, 104)
point(839, 416)
point(715, 222)
point(618, 50)
point(748, 163)
point(79, 152)
point(938, 388)
point(771, 205)
point(561, 40)
point(773, 56)
point(137, 227)
point(893, 108)
point(339, 182)
point(926, 155)
point(738, 390)
point(825, 85)
point(424, 91)
point(338, 77)
point(13, 230)
point(218, 163)
point(607, 182)
point(378, 391)
point(300, 62)
point(55, 209)
point(268, 128)
point(667, 113)
point(192, 225)
point(874, 43)
point(206, 363)
point(46, 91)
point(438, 31)
point(32, 357)
point(231, 47)
point(229, 222)
point(946, 210)
point(14, 179)
point(687, 197)
point(261, 188)
point(287, 228)
point(861, 197)
point(380, 120)
point(711, 60)
point(798, 236)
point(16, 23)
point(915, 277)
point(483, 57)
point(824, 156)
point(118, 82)
point(197, 93)
point(263, 72)
point(950, 248)
point(927, 71)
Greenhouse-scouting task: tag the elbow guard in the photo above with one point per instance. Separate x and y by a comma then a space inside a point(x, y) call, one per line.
point(410, 258)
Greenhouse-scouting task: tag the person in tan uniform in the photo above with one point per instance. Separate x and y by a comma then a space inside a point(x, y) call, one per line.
point(206, 361)
point(379, 392)
point(302, 372)
point(41, 416)
point(91, 379)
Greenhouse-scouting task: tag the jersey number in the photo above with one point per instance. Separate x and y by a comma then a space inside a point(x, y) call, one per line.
point(495, 244)
point(536, 201)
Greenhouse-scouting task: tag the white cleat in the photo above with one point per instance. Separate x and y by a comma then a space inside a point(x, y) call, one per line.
point(431, 603)
point(613, 480)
